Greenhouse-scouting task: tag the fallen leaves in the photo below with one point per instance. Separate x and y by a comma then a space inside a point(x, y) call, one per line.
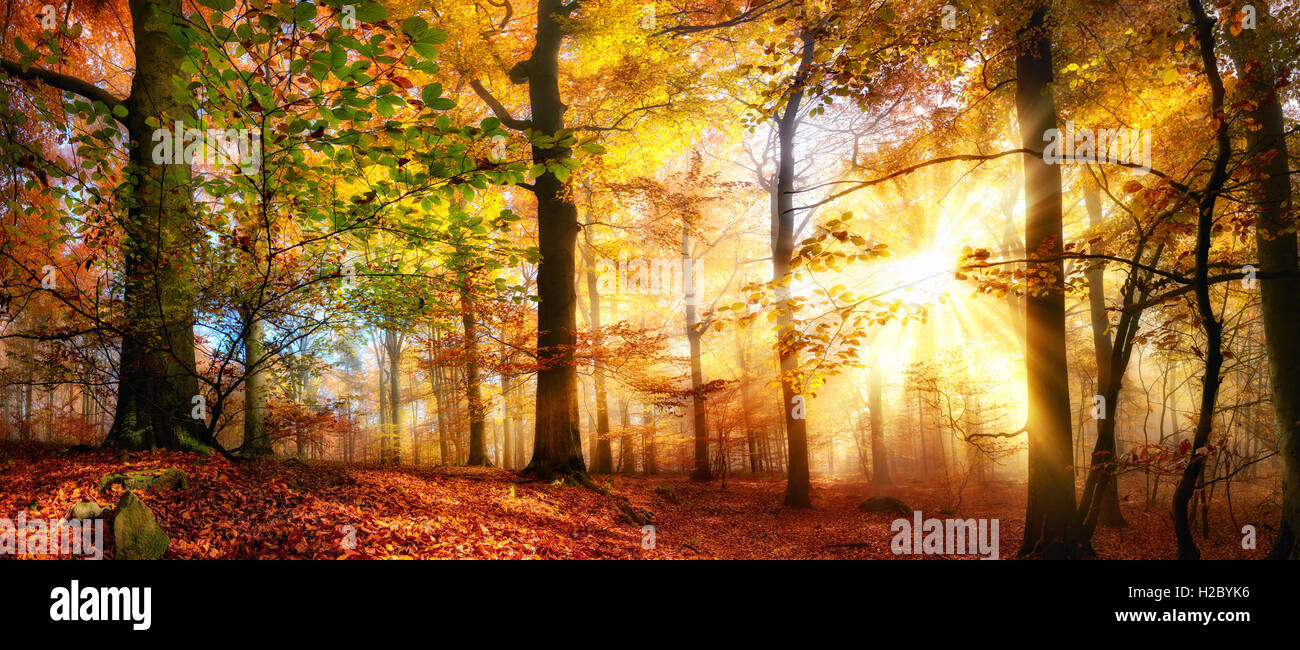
point(273, 509)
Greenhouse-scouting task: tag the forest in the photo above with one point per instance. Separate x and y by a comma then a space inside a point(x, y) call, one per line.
point(649, 279)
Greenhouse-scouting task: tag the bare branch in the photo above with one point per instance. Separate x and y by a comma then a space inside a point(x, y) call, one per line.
point(498, 108)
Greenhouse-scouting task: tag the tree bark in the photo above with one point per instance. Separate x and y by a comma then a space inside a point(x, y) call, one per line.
point(1108, 375)
point(473, 385)
point(557, 441)
point(382, 415)
point(626, 442)
point(393, 345)
point(751, 436)
point(604, 457)
point(1275, 242)
point(507, 432)
point(651, 462)
point(1209, 321)
point(699, 407)
point(256, 441)
point(157, 380)
point(436, 383)
point(798, 492)
point(1051, 507)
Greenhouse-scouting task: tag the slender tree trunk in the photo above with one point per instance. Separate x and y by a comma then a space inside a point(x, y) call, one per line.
point(750, 436)
point(415, 433)
point(626, 443)
point(1051, 506)
point(29, 406)
point(1108, 374)
point(256, 441)
point(651, 458)
point(521, 442)
point(507, 432)
point(1209, 321)
point(382, 416)
point(798, 492)
point(699, 407)
point(473, 386)
point(875, 402)
point(436, 382)
point(393, 341)
point(603, 460)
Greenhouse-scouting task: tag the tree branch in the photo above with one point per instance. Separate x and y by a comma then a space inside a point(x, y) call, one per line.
point(498, 108)
point(62, 82)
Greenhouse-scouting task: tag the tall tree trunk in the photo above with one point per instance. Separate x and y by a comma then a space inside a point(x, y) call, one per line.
point(157, 380)
point(1108, 374)
point(507, 432)
point(256, 441)
point(1275, 241)
point(798, 491)
point(751, 436)
point(626, 442)
point(382, 416)
point(29, 405)
point(521, 442)
point(651, 463)
point(1051, 507)
point(415, 434)
point(393, 341)
point(875, 402)
point(496, 458)
point(473, 385)
point(603, 461)
point(1205, 308)
point(557, 443)
point(699, 407)
point(436, 382)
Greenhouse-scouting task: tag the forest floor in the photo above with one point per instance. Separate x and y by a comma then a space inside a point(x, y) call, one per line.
point(287, 509)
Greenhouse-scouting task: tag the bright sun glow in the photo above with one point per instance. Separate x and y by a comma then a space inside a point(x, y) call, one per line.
point(924, 278)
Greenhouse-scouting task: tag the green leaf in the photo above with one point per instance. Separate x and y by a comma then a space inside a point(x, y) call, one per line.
point(119, 111)
point(425, 50)
point(414, 26)
point(431, 93)
point(219, 5)
point(304, 12)
point(371, 12)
